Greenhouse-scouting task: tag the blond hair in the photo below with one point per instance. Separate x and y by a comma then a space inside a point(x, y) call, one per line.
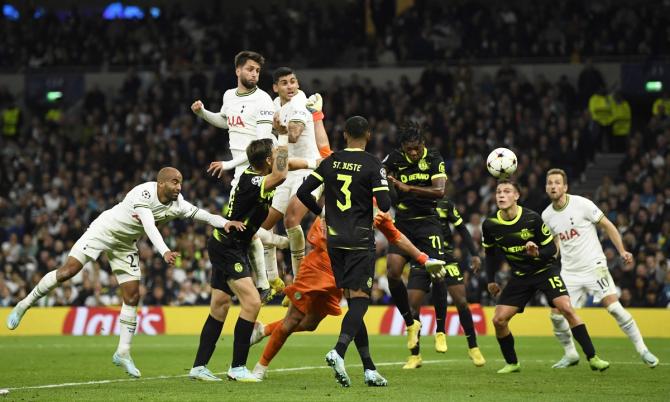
point(559, 172)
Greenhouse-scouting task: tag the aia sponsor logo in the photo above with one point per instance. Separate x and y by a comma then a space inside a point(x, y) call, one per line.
point(393, 324)
point(235, 121)
point(568, 234)
point(105, 321)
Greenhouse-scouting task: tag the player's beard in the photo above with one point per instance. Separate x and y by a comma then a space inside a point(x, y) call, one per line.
point(247, 84)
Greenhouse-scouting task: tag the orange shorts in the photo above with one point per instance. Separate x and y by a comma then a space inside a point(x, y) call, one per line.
point(314, 290)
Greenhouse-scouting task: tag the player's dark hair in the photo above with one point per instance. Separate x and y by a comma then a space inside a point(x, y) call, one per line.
point(411, 131)
point(512, 182)
point(242, 57)
point(281, 72)
point(258, 151)
point(356, 127)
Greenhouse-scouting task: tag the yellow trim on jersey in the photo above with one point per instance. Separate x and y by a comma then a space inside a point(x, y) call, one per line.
point(547, 240)
point(600, 219)
point(263, 121)
point(487, 245)
point(318, 176)
point(567, 201)
point(263, 195)
point(251, 171)
point(354, 149)
point(438, 175)
point(218, 235)
point(458, 222)
point(441, 212)
point(383, 188)
point(237, 93)
point(513, 221)
point(425, 152)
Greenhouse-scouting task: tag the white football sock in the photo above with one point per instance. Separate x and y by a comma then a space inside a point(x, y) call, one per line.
point(128, 323)
point(45, 285)
point(563, 334)
point(258, 263)
point(271, 262)
point(627, 325)
point(296, 239)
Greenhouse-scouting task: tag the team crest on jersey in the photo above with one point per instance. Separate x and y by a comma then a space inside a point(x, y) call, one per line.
point(146, 194)
point(369, 282)
point(423, 165)
point(257, 180)
point(526, 234)
point(382, 172)
point(238, 267)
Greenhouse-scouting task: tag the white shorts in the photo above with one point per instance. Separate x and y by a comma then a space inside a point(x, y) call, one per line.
point(289, 188)
point(598, 283)
point(123, 257)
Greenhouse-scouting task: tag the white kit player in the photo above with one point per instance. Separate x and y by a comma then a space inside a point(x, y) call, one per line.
point(572, 220)
point(292, 117)
point(247, 113)
point(115, 232)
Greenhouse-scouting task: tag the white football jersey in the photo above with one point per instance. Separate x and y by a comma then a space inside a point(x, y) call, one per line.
point(121, 221)
point(296, 111)
point(575, 227)
point(249, 116)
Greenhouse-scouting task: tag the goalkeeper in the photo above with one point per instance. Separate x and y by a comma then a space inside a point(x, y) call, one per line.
point(314, 295)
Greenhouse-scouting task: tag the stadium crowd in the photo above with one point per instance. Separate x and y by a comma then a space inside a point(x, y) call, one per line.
point(426, 30)
point(58, 174)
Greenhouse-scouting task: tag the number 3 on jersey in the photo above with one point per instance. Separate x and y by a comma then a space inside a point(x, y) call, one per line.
point(346, 179)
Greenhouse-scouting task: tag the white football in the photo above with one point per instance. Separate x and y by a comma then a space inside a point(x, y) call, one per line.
point(501, 163)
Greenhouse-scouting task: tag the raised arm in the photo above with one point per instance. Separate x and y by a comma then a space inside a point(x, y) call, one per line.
point(215, 119)
point(279, 166)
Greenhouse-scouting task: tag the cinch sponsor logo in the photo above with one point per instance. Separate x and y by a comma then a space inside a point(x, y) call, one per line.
point(267, 113)
point(392, 322)
point(105, 321)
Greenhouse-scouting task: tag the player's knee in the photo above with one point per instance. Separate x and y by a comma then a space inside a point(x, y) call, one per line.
point(252, 305)
point(71, 268)
point(132, 298)
point(461, 304)
point(500, 321)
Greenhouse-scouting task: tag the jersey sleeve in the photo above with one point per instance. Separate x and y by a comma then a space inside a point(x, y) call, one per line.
point(542, 232)
point(437, 168)
point(591, 211)
point(453, 215)
point(378, 180)
point(488, 240)
point(266, 112)
point(298, 112)
point(186, 209)
point(141, 198)
point(389, 230)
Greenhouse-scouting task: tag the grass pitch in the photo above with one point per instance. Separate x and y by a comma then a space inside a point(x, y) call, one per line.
point(69, 368)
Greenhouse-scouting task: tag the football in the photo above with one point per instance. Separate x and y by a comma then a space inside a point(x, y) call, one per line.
point(501, 163)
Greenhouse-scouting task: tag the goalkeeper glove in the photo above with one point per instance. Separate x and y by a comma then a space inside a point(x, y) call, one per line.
point(277, 285)
point(435, 268)
point(315, 106)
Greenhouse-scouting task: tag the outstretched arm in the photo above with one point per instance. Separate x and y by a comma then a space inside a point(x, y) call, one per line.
point(147, 218)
